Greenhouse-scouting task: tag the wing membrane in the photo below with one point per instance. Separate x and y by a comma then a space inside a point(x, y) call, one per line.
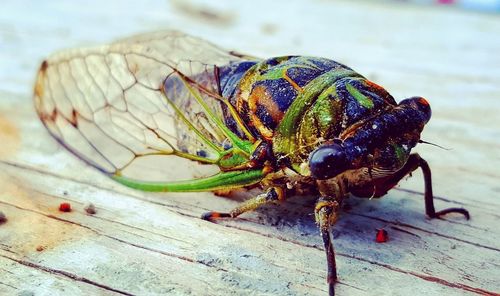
point(138, 98)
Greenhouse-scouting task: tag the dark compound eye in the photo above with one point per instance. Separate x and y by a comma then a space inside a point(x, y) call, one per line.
point(328, 161)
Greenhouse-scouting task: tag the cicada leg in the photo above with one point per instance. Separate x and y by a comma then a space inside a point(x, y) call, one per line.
point(429, 197)
point(326, 213)
point(272, 195)
point(223, 192)
point(413, 163)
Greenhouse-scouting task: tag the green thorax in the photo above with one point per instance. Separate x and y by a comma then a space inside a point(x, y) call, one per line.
point(267, 90)
point(327, 106)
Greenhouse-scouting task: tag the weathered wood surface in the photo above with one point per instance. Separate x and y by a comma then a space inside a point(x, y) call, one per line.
point(141, 243)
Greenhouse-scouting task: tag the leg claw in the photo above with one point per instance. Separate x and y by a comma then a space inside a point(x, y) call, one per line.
point(212, 216)
point(452, 210)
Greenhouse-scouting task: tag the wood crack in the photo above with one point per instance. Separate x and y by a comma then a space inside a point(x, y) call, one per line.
point(405, 231)
point(141, 229)
point(65, 274)
point(349, 285)
point(7, 285)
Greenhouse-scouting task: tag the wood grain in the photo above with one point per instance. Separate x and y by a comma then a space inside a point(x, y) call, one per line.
point(140, 243)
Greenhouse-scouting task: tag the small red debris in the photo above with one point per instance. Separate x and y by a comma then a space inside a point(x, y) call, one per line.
point(40, 248)
point(382, 236)
point(65, 207)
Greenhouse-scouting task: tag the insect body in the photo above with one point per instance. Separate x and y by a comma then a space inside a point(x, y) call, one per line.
point(291, 125)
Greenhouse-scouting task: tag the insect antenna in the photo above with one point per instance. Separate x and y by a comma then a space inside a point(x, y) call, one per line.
point(436, 145)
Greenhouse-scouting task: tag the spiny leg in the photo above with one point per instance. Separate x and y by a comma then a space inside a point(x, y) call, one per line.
point(325, 212)
point(414, 162)
point(272, 195)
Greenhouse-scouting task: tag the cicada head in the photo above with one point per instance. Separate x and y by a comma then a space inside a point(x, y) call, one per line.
point(419, 104)
point(382, 143)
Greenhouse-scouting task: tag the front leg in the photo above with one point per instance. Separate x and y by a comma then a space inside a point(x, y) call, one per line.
point(326, 212)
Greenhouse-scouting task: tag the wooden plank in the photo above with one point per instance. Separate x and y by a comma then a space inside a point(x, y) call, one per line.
point(115, 221)
point(141, 243)
point(15, 275)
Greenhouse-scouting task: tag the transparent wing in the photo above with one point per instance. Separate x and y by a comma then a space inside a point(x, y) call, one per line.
point(123, 107)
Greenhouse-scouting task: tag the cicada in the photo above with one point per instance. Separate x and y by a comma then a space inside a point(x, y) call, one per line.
point(291, 125)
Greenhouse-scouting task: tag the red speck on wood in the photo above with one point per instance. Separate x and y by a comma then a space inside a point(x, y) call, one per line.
point(382, 236)
point(65, 207)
